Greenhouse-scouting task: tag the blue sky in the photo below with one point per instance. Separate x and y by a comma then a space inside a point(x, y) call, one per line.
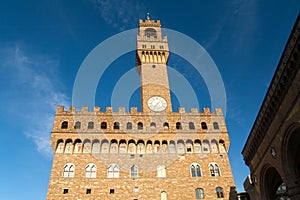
point(43, 43)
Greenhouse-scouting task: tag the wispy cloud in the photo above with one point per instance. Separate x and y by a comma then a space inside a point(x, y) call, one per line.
point(241, 18)
point(119, 14)
point(247, 23)
point(33, 89)
point(217, 31)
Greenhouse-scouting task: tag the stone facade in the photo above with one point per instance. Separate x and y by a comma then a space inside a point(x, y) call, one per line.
point(272, 150)
point(141, 155)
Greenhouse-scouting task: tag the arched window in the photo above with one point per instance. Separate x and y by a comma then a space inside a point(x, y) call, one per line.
point(172, 147)
point(103, 125)
point(206, 148)
point(203, 126)
point(152, 125)
point(140, 148)
point(90, 171)
point(129, 125)
point(189, 146)
point(180, 147)
point(91, 125)
point(69, 146)
point(133, 171)
point(69, 169)
point(197, 146)
point(149, 148)
point(156, 146)
point(64, 125)
point(131, 147)
point(222, 146)
point(104, 146)
point(60, 146)
point(217, 170)
point(123, 146)
point(140, 126)
point(214, 169)
point(163, 195)
point(114, 147)
point(77, 125)
point(78, 146)
point(199, 193)
point(214, 146)
point(113, 171)
point(161, 171)
point(178, 126)
point(87, 146)
point(166, 125)
point(96, 146)
point(216, 125)
point(191, 126)
point(219, 192)
point(164, 146)
point(116, 125)
point(198, 170)
point(195, 170)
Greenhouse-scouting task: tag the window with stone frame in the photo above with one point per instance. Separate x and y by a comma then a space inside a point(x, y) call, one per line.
point(129, 125)
point(161, 171)
point(133, 171)
point(216, 125)
point(166, 125)
point(199, 193)
point(103, 125)
point(90, 170)
point(140, 126)
point(163, 195)
point(113, 171)
point(206, 146)
point(91, 125)
point(203, 126)
point(116, 125)
point(60, 146)
point(68, 171)
point(219, 192)
point(64, 125)
point(77, 125)
point(152, 125)
point(178, 126)
point(214, 169)
point(191, 126)
point(195, 170)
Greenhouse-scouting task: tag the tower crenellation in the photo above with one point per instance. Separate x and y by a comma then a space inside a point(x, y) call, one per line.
point(133, 110)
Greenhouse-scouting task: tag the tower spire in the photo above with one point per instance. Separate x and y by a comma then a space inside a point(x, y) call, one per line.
point(148, 16)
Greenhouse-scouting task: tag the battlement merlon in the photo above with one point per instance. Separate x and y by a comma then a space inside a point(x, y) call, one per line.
point(133, 110)
point(149, 23)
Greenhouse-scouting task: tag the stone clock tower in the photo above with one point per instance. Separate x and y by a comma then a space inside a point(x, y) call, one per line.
point(155, 154)
point(152, 57)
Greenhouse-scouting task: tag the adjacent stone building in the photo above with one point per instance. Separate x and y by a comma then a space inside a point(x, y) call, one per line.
point(272, 150)
point(154, 154)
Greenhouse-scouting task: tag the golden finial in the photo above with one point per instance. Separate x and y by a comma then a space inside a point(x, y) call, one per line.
point(148, 16)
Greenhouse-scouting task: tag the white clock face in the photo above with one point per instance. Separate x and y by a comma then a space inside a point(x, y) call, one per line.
point(157, 103)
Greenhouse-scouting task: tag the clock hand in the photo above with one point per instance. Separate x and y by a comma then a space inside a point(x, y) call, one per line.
point(156, 104)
